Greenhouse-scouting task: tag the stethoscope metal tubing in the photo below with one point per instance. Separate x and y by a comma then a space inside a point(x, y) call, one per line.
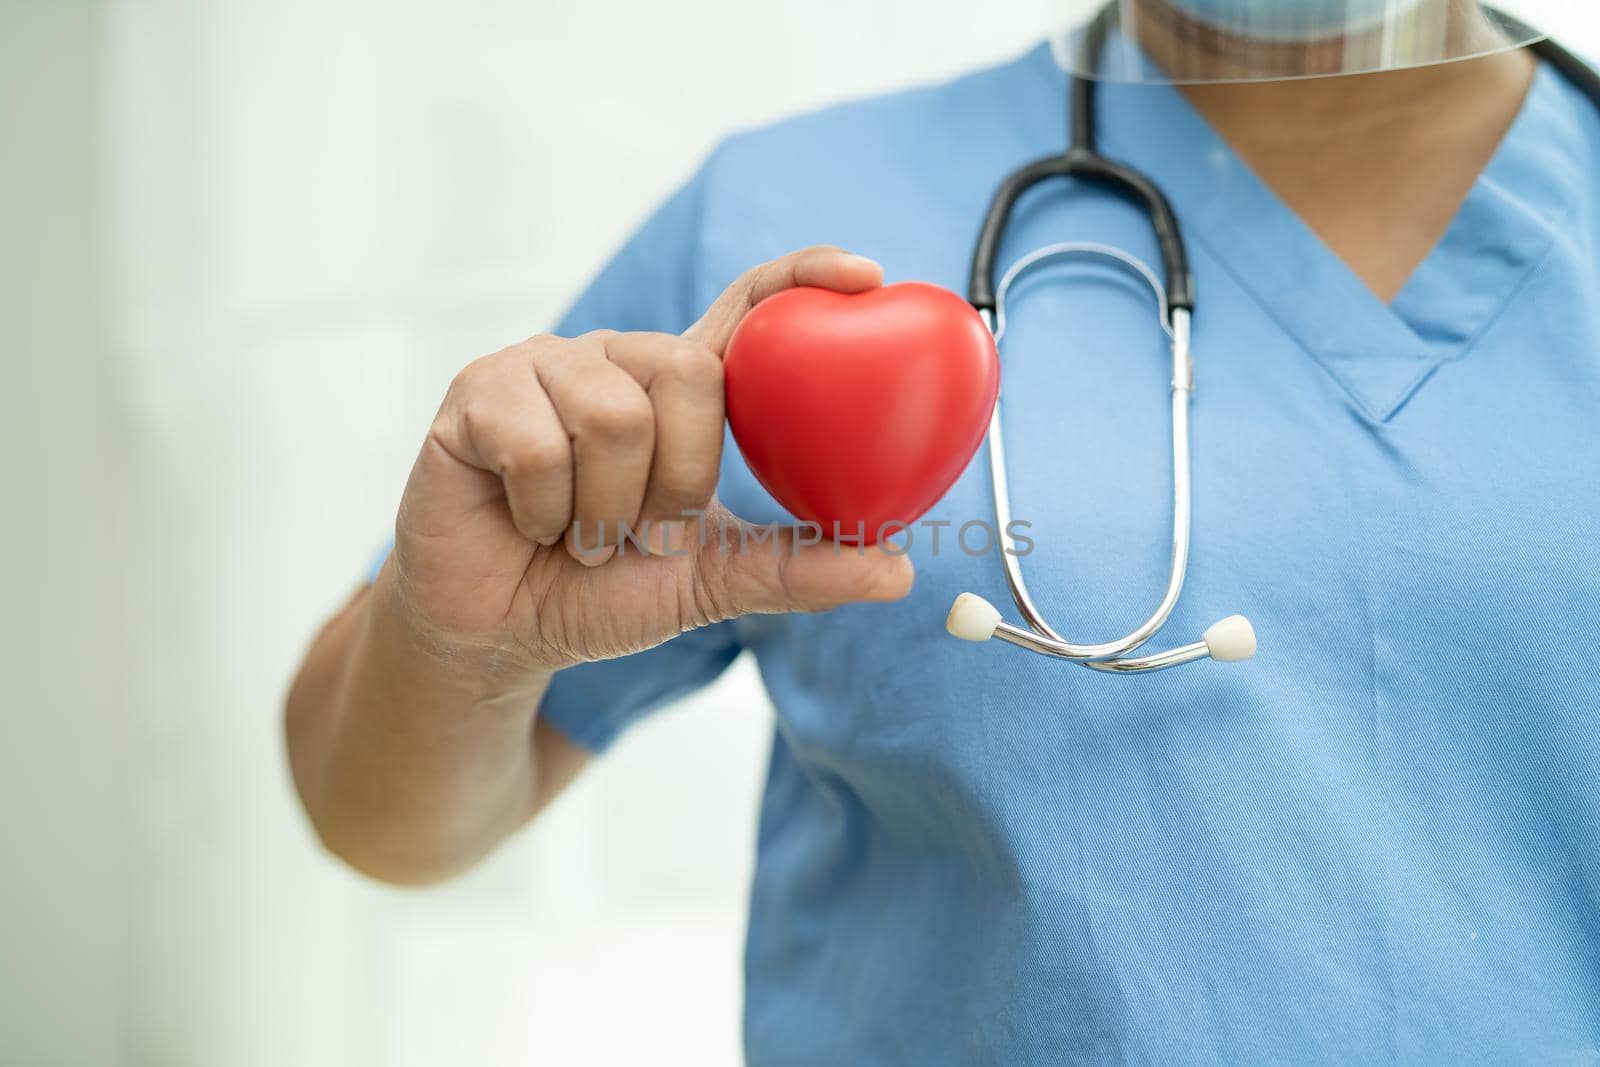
point(1107, 655)
point(1174, 292)
point(1159, 661)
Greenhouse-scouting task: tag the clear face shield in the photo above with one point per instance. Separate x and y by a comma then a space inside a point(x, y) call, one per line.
point(1192, 41)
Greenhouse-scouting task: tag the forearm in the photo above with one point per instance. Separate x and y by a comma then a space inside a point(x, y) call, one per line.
point(416, 747)
point(412, 760)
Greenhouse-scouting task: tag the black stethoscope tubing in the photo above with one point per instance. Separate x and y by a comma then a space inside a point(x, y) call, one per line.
point(1230, 639)
point(1083, 160)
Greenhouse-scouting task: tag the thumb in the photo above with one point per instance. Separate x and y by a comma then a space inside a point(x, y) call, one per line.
point(750, 569)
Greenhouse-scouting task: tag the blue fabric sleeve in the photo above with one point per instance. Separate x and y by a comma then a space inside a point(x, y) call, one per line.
point(593, 703)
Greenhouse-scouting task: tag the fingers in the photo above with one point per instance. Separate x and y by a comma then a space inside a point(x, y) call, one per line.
point(498, 419)
point(610, 435)
point(612, 424)
point(822, 266)
point(537, 466)
point(684, 383)
point(596, 439)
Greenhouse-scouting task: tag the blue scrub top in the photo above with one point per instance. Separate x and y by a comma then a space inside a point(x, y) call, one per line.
point(1377, 841)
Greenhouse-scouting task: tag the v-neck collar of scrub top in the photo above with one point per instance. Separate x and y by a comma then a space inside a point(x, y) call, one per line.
point(1378, 353)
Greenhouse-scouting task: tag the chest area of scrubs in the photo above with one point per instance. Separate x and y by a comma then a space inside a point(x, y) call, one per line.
point(1401, 765)
point(1465, 516)
point(1366, 483)
point(1412, 568)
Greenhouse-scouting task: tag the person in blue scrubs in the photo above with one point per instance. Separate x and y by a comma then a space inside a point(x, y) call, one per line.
point(1377, 841)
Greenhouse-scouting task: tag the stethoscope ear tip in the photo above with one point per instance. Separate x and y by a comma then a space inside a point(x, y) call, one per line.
point(973, 618)
point(1230, 640)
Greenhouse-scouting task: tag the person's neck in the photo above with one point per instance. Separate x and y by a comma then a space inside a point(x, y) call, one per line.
point(1316, 99)
point(1376, 165)
point(1394, 104)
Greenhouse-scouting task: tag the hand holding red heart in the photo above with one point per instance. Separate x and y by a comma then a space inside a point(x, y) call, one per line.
point(506, 542)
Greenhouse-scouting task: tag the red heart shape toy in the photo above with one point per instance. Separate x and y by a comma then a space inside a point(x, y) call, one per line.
point(859, 411)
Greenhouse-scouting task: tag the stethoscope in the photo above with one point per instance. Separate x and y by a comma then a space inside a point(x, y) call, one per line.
point(1230, 639)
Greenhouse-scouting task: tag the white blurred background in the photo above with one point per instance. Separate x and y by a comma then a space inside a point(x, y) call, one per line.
point(245, 246)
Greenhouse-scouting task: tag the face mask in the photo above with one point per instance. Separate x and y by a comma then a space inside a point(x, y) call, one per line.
point(1293, 21)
